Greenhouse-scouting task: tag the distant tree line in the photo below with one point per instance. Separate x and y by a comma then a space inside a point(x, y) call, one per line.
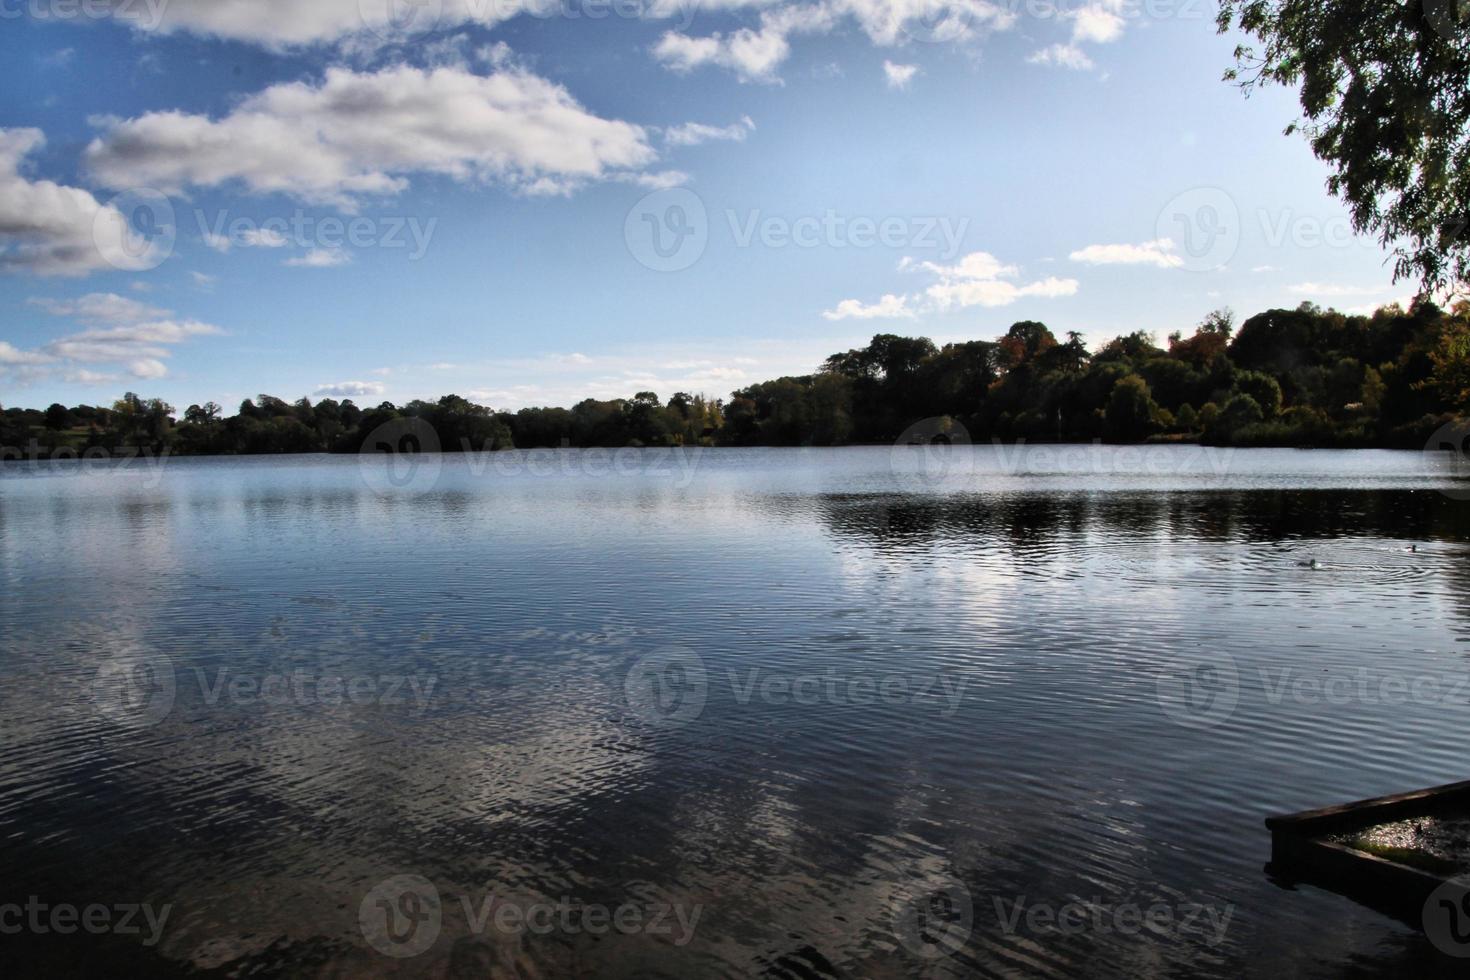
point(1302, 377)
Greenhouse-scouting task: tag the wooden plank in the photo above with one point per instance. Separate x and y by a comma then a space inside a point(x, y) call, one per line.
point(1300, 850)
point(1363, 813)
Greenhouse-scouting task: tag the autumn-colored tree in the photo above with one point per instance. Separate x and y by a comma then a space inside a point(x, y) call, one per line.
point(1210, 339)
point(1451, 358)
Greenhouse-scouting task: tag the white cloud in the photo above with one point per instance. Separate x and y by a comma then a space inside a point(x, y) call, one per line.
point(1062, 56)
point(263, 238)
point(716, 375)
point(350, 389)
point(150, 332)
point(1368, 309)
point(755, 54)
point(1263, 268)
point(100, 308)
point(661, 180)
point(692, 134)
point(889, 307)
point(220, 243)
point(495, 55)
point(899, 76)
point(978, 279)
point(360, 134)
point(892, 22)
point(147, 368)
point(321, 258)
point(452, 51)
point(285, 23)
point(1098, 23)
point(11, 356)
point(49, 229)
point(365, 27)
point(203, 279)
point(1159, 253)
point(82, 376)
point(124, 332)
point(1325, 290)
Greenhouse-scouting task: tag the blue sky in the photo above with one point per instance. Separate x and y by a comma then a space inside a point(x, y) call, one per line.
point(204, 201)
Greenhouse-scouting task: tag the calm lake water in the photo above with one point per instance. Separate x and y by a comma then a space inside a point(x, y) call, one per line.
point(783, 713)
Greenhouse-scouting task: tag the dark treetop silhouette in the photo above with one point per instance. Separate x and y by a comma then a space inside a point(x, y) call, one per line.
point(1302, 377)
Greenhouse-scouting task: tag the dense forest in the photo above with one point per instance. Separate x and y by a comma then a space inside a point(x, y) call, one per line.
point(1302, 377)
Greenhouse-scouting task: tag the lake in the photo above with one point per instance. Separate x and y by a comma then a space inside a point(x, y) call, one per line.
point(864, 712)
